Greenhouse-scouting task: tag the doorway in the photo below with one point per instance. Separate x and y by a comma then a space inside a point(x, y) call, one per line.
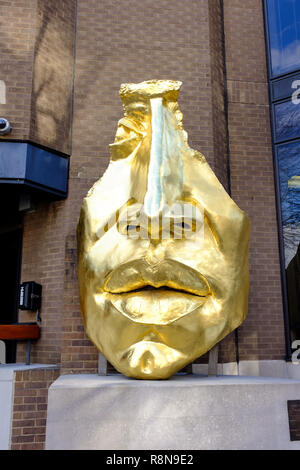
point(11, 233)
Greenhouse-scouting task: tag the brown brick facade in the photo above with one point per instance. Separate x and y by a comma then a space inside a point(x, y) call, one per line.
point(43, 262)
point(217, 49)
point(52, 94)
point(17, 26)
point(36, 63)
point(131, 45)
point(29, 414)
point(224, 99)
point(261, 336)
point(49, 124)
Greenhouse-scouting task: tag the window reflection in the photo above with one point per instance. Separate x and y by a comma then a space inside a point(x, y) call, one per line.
point(287, 120)
point(289, 178)
point(284, 32)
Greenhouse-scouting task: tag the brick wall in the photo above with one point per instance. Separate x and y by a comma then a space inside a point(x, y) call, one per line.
point(51, 99)
point(45, 229)
point(217, 74)
point(17, 29)
point(117, 44)
point(177, 40)
point(43, 261)
point(36, 64)
point(227, 347)
point(261, 336)
point(29, 414)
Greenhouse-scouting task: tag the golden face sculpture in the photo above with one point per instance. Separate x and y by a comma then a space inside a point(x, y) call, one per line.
point(162, 248)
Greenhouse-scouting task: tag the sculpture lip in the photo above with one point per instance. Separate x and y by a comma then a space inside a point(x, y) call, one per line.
point(168, 276)
point(161, 288)
point(156, 306)
point(156, 294)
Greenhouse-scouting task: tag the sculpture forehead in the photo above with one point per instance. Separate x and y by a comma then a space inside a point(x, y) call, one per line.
point(150, 89)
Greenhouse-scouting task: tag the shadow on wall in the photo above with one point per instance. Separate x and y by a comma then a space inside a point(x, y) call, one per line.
point(53, 55)
point(52, 79)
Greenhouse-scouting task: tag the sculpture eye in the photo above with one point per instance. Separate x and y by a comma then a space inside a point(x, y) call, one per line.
point(182, 225)
point(133, 227)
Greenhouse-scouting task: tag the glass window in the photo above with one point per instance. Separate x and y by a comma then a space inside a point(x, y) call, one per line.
point(285, 87)
point(287, 120)
point(289, 179)
point(284, 32)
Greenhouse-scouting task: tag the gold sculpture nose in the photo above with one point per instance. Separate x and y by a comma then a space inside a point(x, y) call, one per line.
point(165, 158)
point(154, 197)
point(148, 220)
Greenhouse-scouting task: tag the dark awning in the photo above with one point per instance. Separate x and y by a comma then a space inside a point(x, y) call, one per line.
point(36, 168)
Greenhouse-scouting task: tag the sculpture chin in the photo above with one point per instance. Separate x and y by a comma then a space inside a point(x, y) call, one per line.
point(154, 350)
point(151, 360)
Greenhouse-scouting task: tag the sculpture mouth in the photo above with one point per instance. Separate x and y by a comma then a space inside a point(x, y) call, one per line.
point(158, 294)
point(156, 306)
point(139, 275)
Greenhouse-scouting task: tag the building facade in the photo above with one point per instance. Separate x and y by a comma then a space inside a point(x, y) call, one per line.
point(61, 66)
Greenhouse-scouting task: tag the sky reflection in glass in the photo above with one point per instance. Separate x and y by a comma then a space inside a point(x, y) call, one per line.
point(284, 32)
point(287, 120)
point(289, 178)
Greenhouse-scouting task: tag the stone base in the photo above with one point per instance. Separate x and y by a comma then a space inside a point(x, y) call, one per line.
point(183, 413)
point(262, 368)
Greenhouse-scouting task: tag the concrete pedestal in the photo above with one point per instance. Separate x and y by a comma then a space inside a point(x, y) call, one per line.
point(183, 413)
